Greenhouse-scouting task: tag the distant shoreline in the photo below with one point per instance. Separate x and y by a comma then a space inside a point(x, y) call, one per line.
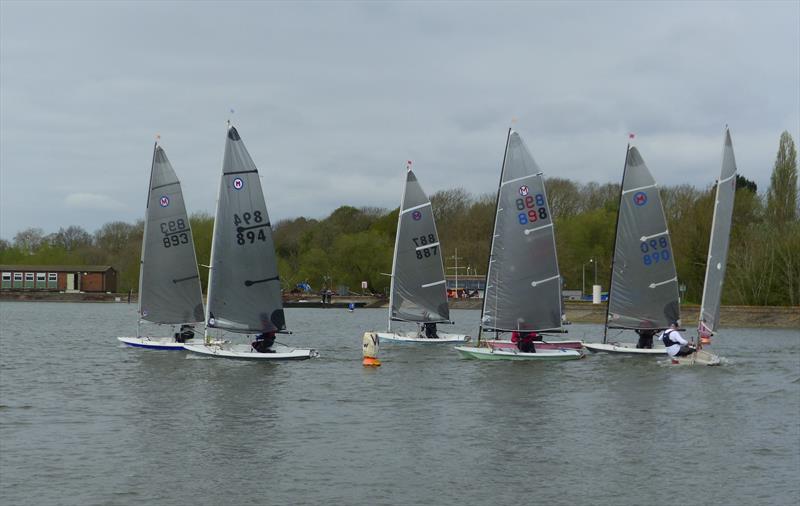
point(577, 312)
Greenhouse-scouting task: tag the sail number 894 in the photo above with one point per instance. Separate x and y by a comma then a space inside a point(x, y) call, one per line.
point(424, 240)
point(533, 209)
point(246, 225)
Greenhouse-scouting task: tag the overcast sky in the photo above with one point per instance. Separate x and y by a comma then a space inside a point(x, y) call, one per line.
point(332, 98)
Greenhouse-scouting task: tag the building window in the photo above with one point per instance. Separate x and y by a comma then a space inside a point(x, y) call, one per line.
point(17, 276)
point(52, 276)
point(40, 276)
point(6, 276)
point(28, 276)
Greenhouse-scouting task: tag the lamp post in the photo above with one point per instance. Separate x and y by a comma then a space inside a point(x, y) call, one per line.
point(583, 276)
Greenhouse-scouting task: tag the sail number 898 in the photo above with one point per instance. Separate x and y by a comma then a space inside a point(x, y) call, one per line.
point(424, 240)
point(533, 209)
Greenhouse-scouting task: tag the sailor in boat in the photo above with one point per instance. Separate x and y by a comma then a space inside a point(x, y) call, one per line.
point(676, 345)
point(645, 338)
point(184, 334)
point(264, 342)
point(430, 330)
point(525, 341)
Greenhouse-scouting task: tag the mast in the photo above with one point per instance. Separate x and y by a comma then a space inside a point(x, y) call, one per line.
point(144, 237)
point(211, 256)
point(494, 227)
point(396, 242)
point(614, 246)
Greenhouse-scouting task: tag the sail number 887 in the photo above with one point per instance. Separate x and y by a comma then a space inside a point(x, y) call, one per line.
point(424, 240)
point(533, 209)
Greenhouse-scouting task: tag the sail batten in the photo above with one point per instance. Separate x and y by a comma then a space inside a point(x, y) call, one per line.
point(644, 288)
point(520, 290)
point(244, 286)
point(169, 281)
point(417, 261)
point(720, 239)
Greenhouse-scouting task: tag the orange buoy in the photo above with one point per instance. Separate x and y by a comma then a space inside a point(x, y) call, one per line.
point(371, 362)
point(369, 345)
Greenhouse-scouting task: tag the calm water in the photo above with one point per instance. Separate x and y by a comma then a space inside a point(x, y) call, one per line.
point(86, 421)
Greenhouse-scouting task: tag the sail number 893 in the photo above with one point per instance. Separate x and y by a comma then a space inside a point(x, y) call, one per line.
point(424, 240)
point(533, 209)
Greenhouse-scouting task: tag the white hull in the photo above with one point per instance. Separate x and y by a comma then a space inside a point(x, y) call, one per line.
point(155, 343)
point(624, 349)
point(485, 353)
point(414, 337)
point(246, 352)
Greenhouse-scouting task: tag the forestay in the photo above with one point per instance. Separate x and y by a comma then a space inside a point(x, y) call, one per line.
point(169, 282)
point(418, 292)
point(720, 239)
point(244, 289)
point(523, 290)
point(644, 284)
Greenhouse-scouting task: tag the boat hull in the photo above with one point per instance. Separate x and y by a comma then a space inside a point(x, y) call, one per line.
point(701, 357)
point(486, 353)
point(153, 343)
point(624, 349)
point(246, 352)
point(498, 344)
point(415, 338)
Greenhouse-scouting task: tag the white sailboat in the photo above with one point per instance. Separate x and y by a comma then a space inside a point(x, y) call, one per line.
point(244, 295)
point(169, 282)
point(418, 288)
point(719, 241)
point(643, 294)
point(523, 282)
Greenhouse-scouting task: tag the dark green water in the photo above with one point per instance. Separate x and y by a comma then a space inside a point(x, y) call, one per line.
point(84, 420)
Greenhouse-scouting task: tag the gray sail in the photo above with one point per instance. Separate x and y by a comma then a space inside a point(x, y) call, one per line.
point(720, 239)
point(419, 292)
point(244, 292)
point(644, 284)
point(523, 289)
point(169, 283)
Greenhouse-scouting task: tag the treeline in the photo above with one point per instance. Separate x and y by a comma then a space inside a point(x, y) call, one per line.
point(356, 244)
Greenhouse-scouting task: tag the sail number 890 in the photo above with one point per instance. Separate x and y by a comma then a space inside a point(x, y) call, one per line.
point(533, 209)
point(654, 251)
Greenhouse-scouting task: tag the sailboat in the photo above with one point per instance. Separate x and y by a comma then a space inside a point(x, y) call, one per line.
point(523, 282)
point(169, 282)
point(244, 293)
point(418, 287)
point(717, 259)
point(643, 291)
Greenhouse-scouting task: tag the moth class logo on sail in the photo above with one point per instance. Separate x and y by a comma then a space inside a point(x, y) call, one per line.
point(164, 201)
point(640, 198)
point(416, 215)
point(238, 183)
point(523, 190)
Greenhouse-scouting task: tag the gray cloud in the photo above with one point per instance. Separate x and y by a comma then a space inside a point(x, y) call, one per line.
point(332, 98)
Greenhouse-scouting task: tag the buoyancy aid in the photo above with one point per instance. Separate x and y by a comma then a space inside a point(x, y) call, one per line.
point(668, 340)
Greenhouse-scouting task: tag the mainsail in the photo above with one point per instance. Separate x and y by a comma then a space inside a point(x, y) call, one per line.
point(169, 282)
point(523, 287)
point(644, 284)
point(418, 292)
point(244, 293)
point(720, 238)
